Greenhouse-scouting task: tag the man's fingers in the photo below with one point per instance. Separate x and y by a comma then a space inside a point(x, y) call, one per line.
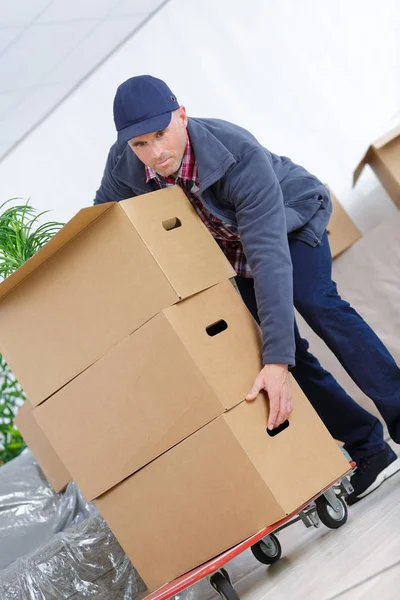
point(289, 404)
point(279, 394)
point(281, 418)
point(284, 412)
point(280, 409)
point(290, 409)
point(258, 385)
point(274, 408)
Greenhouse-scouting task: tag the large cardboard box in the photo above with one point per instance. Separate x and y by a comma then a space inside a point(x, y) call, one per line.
point(384, 158)
point(108, 271)
point(45, 455)
point(180, 370)
point(220, 485)
point(342, 232)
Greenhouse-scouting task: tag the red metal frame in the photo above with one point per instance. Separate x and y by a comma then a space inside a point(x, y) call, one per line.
point(181, 583)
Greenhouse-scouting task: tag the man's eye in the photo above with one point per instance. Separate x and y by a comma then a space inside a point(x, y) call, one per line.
point(160, 134)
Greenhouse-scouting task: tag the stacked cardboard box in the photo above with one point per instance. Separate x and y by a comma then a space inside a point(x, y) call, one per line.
point(136, 354)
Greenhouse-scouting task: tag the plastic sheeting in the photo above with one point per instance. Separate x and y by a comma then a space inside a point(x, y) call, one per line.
point(85, 561)
point(57, 546)
point(30, 512)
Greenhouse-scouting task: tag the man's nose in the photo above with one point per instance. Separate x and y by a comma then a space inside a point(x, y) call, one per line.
point(156, 152)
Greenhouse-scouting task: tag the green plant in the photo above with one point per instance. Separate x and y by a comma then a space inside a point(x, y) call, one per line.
point(21, 236)
point(11, 397)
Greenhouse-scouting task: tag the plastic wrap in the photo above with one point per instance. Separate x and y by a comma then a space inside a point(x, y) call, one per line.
point(30, 512)
point(57, 546)
point(84, 561)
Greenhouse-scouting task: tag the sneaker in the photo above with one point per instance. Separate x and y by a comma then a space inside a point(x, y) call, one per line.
point(371, 472)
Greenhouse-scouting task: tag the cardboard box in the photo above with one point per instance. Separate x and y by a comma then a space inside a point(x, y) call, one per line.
point(384, 158)
point(222, 484)
point(108, 271)
point(45, 455)
point(342, 232)
point(187, 365)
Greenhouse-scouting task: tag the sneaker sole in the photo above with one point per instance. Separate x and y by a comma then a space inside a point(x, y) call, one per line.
point(391, 470)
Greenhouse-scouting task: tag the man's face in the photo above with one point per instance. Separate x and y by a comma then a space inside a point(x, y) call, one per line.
point(163, 150)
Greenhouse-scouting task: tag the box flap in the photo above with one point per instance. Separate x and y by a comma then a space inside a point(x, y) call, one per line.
point(387, 137)
point(377, 144)
point(178, 240)
point(69, 231)
point(82, 301)
point(44, 453)
point(223, 338)
point(365, 160)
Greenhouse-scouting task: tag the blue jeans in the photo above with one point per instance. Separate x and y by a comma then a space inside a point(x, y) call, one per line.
point(352, 341)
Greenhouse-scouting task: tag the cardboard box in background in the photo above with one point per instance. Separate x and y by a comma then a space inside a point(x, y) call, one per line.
point(108, 271)
point(43, 452)
point(220, 485)
point(342, 232)
point(383, 156)
point(180, 370)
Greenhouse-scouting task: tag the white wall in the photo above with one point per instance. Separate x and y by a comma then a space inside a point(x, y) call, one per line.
point(313, 79)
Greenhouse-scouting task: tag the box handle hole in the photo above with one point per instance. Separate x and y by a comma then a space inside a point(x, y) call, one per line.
point(173, 223)
point(279, 429)
point(217, 328)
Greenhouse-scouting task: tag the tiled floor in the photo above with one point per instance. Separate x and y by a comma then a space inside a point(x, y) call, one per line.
point(359, 561)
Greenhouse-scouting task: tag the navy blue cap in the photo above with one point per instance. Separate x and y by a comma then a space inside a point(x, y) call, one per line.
point(142, 105)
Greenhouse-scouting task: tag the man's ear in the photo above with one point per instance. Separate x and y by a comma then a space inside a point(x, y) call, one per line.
point(182, 115)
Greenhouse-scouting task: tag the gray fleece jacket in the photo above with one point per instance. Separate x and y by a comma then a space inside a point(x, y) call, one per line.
point(266, 198)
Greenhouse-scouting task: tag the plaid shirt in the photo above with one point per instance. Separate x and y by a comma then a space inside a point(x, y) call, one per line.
point(188, 179)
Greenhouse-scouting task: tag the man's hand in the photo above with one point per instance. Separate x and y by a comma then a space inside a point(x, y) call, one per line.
point(274, 379)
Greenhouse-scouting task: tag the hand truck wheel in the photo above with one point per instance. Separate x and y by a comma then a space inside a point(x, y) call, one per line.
point(268, 550)
point(331, 518)
point(222, 584)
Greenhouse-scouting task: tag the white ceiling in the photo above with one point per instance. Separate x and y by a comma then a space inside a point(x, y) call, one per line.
point(47, 47)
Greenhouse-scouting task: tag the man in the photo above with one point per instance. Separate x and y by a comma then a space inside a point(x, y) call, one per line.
point(269, 217)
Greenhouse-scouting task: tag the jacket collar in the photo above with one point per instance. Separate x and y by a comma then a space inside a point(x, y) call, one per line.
point(212, 157)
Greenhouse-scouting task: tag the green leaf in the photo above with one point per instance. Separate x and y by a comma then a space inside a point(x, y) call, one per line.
point(21, 236)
